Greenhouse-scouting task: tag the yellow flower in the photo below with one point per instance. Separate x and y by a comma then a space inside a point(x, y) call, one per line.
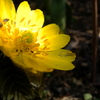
point(30, 45)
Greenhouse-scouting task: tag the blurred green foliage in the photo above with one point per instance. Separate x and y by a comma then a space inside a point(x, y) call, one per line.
point(55, 11)
point(58, 13)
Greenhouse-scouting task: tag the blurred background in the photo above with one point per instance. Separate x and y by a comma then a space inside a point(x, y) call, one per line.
point(74, 17)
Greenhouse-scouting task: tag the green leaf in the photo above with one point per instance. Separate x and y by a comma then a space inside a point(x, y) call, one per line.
point(58, 13)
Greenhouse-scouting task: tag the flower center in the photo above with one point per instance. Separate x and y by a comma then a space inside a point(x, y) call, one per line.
point(27, 37)
point(26, 42)
point(22, 39)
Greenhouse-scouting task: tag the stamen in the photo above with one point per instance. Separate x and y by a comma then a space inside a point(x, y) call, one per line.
point(20, 50)
point(4, 40)
point(16, 50)
point(12, 22)
point(43, 53)
point(1, 24)
point(33, 25)
point(22, 20)
point(28, 37)
point(29, 21)
point(31, 51)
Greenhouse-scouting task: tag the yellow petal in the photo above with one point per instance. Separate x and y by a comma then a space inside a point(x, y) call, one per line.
point(36, 19)
point(49, 30)
point(10, 8)
point(58, 59)
point(58, 41)
point(7, 9)
point(18, 61)
point(23, 12)
point(6, 49)
point(3, 12)
point(28, 62)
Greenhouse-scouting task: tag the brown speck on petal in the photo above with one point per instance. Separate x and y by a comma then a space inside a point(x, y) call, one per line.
point(6, 20)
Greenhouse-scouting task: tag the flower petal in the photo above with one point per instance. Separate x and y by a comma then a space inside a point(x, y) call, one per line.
point(58, 41)
point(49, 30)
point(28, 62)
point(7, 50)
point(36, 18)
point(58, 59)
point(7, 9)
point(23, 12)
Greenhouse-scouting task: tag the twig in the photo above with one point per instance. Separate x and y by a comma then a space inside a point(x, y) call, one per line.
point(95, 37)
